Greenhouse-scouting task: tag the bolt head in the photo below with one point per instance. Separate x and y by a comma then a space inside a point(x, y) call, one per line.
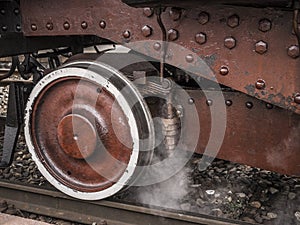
point(224, 70)
point(209, 102)
point(172, 35)
point(102, 24)
point(18, 27)
point(233, 21)
point(49, 26)
point(16, 11)
point(66, 26)
point(2, 11)
point(200, 38)
point(249, 105)
point(293, 51)
point(148, 11)
point(203, 18)
point(297, 98)
point(146, 31)
point(228, 102)
point(189, 58)
point(191, 101)
point(265, 25)
point(175, 13)
point(157, 46)
point(261, 47)
point(84, 25)
point(260, 84)
point(230, 42)
point(269, 106)
point(126, 34)
point(33, 27)
point(4, 28)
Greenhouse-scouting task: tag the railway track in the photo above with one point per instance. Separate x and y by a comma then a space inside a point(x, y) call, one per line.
point(55, 204)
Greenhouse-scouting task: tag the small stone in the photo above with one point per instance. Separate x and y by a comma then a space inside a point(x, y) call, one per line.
point(292, 195)
point(241, 195)
point(297, 215)
point(217, 212)
point(210, 192)
point(185, 206)
point(229, 199)
point(273, 190)
point(255, 204)
point(271, 215)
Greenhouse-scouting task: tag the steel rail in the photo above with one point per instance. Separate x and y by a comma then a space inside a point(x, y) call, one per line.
point(55, 204)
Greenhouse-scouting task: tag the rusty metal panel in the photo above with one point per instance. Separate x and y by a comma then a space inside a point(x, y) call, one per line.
point(257, 133)
point(252, 50)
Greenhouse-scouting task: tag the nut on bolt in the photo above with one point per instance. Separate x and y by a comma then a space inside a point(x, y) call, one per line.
point(297, 98)
point(203, 18)
point(233, 21)
point(230, 42)
point(172, 35)
point(224, 70)
point(126, 34)
point(175, 13)
point(265, 25)
point(146, 31)
point(200, 38)
point(261, 47)
point(260, 84)
point(148, 11)
point(293, 51)
point(33, 27)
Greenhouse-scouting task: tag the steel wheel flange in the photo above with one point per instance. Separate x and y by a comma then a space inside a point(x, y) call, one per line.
point(88, 130)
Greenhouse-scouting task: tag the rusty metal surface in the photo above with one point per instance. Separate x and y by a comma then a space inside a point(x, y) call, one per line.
point(257, 134)
point(251, 44)
point(72, 138)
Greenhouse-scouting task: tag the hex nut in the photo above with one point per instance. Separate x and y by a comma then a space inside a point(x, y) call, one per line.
point(233, 21)
point(293, 51)
point(146, 31)
point(265, 25)
point(203, 18)
point(230, 42)
point(200, 38)
point(261, 47)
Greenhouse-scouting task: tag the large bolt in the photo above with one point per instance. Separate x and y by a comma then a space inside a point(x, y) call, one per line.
point(230, 42)
point(49, 26)
point(172, 35)
point(84, 25)
point(126, 34)
point(200, 38)
point(146, 31)
point(189, 58)
point(157, 46)
point(297, 98)
point(260, 84)
point(102, 24)
point(261, 47)
point(33, 27)
point(203, 18)
point(148, 11)
point(265, 25)
point(66, 26)
point(175, 13)
point(233, 21)
point(293, 51)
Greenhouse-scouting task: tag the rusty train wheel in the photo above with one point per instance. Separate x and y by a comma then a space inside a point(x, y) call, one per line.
point(88, 130)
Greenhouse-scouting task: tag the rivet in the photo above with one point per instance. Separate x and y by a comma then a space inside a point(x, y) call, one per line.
point(146, 31)
point(49, 26)
point(229, 42)
point(16, 11)
point(200, 38)
point(191, 101)
point(224, 70)
point(33, 27)
point(297, 98)
point(269, 106)
point(265, 25)
point(2, 11)
point(157, 46)
point(228, 102)
point(172, 35)
point(66, 26)
point(175, 13)
point(102, 24)
point(260, 84)
point(84, 25)
point(209, 102)
point(4, 28)
point(293, 51)
point(261, 47)
point(189, 58)
point(126, 34)
point(18, 27)
point(203, 18)
point(233, 21)
point(249, 105)
point(148, 11)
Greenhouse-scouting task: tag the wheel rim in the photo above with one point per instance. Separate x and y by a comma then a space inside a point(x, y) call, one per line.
point(75, 143)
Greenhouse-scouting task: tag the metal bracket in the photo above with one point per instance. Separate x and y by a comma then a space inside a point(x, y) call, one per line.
point(14, 120)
